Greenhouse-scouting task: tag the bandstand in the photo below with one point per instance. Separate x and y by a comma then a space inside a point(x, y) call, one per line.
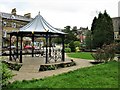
point(38, 28)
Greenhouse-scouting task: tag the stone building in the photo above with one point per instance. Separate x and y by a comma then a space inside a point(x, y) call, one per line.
point(116, 27)
point(81, 34)
point(12, 22)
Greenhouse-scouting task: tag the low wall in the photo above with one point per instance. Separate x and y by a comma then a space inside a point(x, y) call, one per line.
point(54, 66)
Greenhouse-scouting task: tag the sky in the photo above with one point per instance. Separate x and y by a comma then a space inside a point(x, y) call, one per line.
point(61, 13)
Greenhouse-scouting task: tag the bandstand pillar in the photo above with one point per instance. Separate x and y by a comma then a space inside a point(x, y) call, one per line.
point(63, 47)
point(10, 58)
point(50, 45)
point(21, 49)
point(32, 44)
point(17, 45)
point(46, 48)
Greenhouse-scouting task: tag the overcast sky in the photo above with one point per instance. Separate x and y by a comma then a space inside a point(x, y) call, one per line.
point(60, 13)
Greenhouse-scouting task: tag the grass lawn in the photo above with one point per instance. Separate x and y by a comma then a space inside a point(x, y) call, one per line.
point(98, 76)
point(82, 55)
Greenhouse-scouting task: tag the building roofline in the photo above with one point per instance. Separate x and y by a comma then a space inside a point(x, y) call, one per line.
point(115, 17)
point(17, 17)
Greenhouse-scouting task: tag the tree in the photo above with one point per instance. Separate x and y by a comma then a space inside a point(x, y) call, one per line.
point(71, 36)
point(88, 40)
point(93, 24)
point(57, 40)
point(102, 30)
point(74, 29)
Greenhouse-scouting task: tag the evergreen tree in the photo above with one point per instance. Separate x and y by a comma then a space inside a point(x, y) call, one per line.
point(88, 40)
point(102, 30)
point(93, 24)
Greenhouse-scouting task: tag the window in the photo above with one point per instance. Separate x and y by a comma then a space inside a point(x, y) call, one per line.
point(13, 25)
point(4, 23)
point(4, 33)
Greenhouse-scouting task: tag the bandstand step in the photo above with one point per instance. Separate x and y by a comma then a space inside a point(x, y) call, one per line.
point(29, 68)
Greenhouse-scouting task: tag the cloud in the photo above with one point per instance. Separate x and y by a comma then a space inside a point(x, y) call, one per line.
point(60, 13)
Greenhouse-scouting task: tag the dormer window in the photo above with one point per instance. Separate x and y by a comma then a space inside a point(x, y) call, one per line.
point(12, 17)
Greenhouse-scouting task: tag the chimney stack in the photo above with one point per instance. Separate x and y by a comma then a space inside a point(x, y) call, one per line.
point(13, 12)
point(27, 15)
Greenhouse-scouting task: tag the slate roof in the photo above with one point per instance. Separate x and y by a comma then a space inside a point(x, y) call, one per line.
point(16, 17)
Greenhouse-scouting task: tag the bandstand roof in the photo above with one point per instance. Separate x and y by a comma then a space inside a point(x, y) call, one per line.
point(39, 24)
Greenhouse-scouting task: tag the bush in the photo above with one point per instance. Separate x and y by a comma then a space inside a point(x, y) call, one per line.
point(66, 45)
point(6, 75)
point(72, 46)
point(13, 66)
point(98, 56)
point(117, 48)
point(67, 50)
point(77, 46)
point(77, 49)
point(77, 43)
point(107, 53)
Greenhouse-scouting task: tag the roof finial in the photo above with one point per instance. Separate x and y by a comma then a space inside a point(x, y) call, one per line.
point(39, 13)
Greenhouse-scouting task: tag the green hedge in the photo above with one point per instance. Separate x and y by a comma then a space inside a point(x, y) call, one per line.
point(6, 75)
point(67, 50)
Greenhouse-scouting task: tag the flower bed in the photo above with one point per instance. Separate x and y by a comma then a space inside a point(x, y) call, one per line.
point(54, 66)
point(13, 65)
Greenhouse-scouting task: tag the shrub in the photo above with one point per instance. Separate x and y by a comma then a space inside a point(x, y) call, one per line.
point(66, 45)
point(117, 48)
point(77, 49)
point(6, 75)
point(77, 43)
point(13, 66)
point(67, 50)
point(77, 46)
point(72, 46)
point(107, 53)
point(51, 67)
point(98, 56)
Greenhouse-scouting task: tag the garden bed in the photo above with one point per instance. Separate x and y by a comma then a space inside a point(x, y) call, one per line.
point(96, 62)
point(54, 66)
point(12, 65)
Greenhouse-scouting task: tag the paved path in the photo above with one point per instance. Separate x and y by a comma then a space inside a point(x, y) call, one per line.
point(19, 75)
point(31, 64)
